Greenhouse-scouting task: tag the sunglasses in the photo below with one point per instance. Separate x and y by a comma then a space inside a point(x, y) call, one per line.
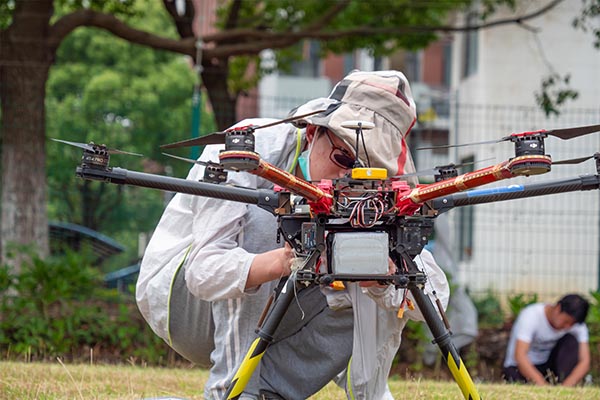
point(340, 156)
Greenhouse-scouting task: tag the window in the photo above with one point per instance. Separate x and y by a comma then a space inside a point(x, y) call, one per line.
point(309, 66)
point(470, 48)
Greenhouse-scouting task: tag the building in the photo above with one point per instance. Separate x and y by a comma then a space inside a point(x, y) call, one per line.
point(546, 245)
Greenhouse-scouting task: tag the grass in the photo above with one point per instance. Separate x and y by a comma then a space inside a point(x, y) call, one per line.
point(83, 381)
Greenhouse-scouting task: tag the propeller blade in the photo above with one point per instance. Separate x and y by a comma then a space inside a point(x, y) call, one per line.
point(90, 147)
point(219, 137)
point(447, 146)
point(115, 151)
point(84, 146)
point(212, 138)
point(283, 121)
point(570, 133)
point(572, 160)
point(188, 159)
point(565, 133)
point(437, 170)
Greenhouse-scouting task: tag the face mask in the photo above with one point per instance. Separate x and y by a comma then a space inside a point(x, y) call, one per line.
point(304, 162)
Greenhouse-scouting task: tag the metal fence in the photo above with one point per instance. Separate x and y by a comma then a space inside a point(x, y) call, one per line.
point(545, 245)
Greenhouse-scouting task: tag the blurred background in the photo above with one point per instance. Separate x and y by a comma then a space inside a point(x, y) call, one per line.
point(135, 75)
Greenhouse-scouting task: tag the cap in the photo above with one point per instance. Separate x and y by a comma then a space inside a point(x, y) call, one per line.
point(380, 97)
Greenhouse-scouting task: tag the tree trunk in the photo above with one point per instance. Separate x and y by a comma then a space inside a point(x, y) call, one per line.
point(25, 60)
point(214, 78)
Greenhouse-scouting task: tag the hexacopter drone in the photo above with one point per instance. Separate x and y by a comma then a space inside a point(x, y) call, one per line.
point(342, 219)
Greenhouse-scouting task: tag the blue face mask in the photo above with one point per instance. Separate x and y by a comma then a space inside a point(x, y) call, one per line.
point(304, 162)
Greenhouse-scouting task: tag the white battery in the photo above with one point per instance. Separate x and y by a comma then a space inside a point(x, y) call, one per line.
point(360, 253)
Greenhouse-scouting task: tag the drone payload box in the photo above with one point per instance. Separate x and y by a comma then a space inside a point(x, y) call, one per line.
point(363, 253)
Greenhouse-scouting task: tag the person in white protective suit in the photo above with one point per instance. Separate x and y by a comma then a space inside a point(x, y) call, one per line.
point(211, 264)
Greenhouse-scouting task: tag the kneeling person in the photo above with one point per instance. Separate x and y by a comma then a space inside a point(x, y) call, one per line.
point(549, 343)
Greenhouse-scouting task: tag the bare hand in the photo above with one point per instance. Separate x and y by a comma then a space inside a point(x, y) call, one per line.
point(270, 265)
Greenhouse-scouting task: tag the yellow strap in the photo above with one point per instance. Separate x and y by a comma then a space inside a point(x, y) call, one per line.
point(349, 380)
point(298, 150)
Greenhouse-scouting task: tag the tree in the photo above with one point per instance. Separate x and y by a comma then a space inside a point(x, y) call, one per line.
point(32, 31)
point(107, 90)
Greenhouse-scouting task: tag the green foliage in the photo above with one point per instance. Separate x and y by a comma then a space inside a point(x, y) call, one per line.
point(58, 307)
point(489, 310)
point(555, 91)
point(6, 9)
point(519, 301)
point(289, 15)
point(106, 90)
point(118, 7)
point(588, 19)
point(414, 338)
point(593, 323)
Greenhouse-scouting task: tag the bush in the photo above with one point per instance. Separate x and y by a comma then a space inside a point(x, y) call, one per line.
point(519, 301)
point(593, 323)
point(58, 307)
point(489, 311)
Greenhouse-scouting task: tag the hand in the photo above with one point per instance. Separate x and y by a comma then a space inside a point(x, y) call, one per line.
point(270, 265)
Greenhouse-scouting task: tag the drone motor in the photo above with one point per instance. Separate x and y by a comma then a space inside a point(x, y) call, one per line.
point(530, 155)
point(96, 158)
point(446, 173)
point(214, 173)
point(239, 152)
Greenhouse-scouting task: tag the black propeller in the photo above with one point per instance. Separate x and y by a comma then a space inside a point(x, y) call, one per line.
point(441, 169)
point(575, 160)
point(96, 147)
point(219, 137)
point(213, 173)
point(205, 163)
point(565, 133)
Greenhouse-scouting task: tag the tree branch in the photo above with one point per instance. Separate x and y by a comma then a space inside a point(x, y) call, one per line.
point(517, 19)
point(108, 22)
point(234, 14)
point(184, 22)
point(236, 42)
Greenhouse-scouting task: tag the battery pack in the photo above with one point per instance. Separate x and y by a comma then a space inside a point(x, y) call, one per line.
point(359, 253)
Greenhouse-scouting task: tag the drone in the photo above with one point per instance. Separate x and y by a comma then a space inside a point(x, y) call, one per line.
point(365, 210)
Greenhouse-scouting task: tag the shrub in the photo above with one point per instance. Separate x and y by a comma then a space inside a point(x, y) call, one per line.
point(58, 307)
point(489, 311)
point(519, 301)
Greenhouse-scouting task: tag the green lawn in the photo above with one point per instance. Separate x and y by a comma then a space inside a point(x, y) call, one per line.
point(82, 381)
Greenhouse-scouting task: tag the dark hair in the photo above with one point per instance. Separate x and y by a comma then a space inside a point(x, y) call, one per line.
point(574, 305)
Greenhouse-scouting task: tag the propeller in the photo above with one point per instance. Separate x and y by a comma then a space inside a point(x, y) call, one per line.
point(564, 134)
point(441, 168)
point(96, 147)
point(205, 163)
point(213, 173)
point(219, 137)
point(575, 160)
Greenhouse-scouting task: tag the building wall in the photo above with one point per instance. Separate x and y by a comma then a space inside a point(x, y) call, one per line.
point(545, 245)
